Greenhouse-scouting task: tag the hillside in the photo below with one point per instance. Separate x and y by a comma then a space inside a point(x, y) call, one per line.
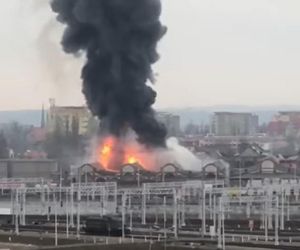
point(26, 117)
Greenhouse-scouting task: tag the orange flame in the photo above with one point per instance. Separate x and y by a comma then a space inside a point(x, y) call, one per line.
point(113, 153)
point(106, 152)
point(132, 160)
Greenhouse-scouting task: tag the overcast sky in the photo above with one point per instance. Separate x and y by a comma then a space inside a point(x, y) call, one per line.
point(234, 52)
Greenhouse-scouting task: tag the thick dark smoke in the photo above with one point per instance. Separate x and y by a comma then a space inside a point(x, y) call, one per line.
point(119, 38)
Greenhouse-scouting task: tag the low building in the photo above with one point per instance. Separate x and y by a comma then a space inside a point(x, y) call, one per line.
point(26, 168)
point(267, 169)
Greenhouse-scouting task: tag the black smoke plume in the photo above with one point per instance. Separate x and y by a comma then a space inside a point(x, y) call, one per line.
point(119, 39)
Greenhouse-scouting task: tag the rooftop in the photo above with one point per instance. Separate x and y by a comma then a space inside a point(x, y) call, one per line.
point(69, 107)
point(297, 112)
point(233, 113)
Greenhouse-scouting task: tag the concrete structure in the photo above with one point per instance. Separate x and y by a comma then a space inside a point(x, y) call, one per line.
point(68, 118)
point(234, 124)
point(24, 168)
point(172, 123)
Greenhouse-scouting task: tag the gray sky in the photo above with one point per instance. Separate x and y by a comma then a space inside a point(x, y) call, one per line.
point(240, 52)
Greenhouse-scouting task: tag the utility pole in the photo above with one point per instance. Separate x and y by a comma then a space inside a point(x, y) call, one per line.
point(183, 194)
point(138, 178)
point(43, 200)
point(214, 212)
point(203, 212)
point(165, 216)
point(12, 205)
point(55, 215)
point(131, 212)
point(72, 206)
point(17, 213)
point(48, 204)
point(144, 206)
point(220, 225)
point(223, 226)
point(67, 213)
point(78, 210)
point(123, 214)
point(266, 220)
point(288, 208)
point(60, 185)
point(210, 204)
point(270, 214)
point(101, 198)
point(240, 178)
point(175, 214)
point(276, 221)
point(282, 210)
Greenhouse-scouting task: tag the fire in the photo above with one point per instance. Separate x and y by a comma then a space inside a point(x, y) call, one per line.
point(114, 152)
point(106, 152)
point(132, 160)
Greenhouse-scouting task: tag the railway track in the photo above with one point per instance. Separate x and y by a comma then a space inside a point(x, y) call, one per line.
point(254, 239)
point(154, 232)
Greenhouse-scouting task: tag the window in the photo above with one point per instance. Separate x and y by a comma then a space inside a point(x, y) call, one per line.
point(267, 167)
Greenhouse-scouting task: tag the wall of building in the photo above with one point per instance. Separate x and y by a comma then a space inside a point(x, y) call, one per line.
point(283, 122)
point(13, 168)
point(3, 169)
point(65, 118)
point(234, 124)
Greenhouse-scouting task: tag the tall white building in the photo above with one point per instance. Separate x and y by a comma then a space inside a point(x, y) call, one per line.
point(67, 118)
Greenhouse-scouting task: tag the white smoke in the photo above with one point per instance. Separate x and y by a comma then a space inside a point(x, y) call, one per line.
point(182, 156)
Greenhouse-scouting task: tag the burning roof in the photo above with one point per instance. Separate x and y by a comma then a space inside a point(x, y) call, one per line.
point(114, 152)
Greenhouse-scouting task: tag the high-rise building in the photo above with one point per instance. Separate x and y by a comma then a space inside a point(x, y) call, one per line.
point(68, 118)
point(234, 124)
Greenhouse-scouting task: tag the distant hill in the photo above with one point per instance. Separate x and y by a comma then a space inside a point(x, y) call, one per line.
point(26, 117)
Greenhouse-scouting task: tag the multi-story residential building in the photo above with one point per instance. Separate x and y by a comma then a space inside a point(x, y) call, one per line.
point(234, 124)
point(68, 118)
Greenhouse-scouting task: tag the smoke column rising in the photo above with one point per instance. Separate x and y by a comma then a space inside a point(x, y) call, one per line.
point(119, 39)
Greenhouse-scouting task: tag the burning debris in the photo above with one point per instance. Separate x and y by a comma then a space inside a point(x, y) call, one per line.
point(114, 152)
point(119, 40)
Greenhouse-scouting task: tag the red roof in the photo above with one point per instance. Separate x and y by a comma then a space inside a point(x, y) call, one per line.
point(37, 135)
